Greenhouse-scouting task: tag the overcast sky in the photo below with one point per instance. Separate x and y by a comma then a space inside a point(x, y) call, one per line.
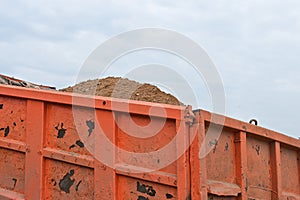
point(255, 46)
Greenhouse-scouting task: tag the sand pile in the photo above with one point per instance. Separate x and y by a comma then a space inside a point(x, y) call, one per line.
point(123, 88)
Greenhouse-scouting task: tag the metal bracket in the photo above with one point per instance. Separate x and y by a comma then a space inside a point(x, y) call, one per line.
point(189, 115)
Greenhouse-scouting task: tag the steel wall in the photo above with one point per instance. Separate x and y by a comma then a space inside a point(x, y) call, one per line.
point(46, 155)
point(43, 157)
point(247, 162)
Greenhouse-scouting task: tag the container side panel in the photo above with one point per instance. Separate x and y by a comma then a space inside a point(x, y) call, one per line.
point(13, 118)
point(12, 168)
point(259, 169)
point(138, 189)
point(63, 128)
point(289, 170)
point(140, 134)
point(220, 161)
point(68, 181)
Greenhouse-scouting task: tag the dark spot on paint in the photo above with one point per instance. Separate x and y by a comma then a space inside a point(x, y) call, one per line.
point(91, 126)
point(72, 146)
point(12, 112)
point(213, 143)
point(104, 103)
point(2, 129)
point(15, 182)
point(244, 127)
point(257, 149)
point(226, 146)
point(6, 131)
point(142, 198)
point(22, 120)
point(140, 188)
point(76, 188)
point(169, 196)
point(14, 124)
point(147, 189)
point(79, 143)
point(60, 130)
point(1, 106)
point(66, 182)
point(53, 182)
point(158, 161)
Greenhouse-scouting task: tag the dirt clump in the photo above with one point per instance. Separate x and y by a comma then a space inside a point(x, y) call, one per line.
point(7, 80)
point(123, 88)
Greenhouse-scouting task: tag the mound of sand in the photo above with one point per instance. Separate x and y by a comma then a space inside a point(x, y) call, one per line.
point(123, 88)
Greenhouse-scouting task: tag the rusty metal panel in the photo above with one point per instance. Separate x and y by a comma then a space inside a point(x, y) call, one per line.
point(261, 165)
point(138, 189)
point(56, 154)
point(13, 117)
point(68, 181)
point(61, 130)
point(145, 140)
point(12, 174)
point(289, 171)
point(259, 168)
point(220, 162)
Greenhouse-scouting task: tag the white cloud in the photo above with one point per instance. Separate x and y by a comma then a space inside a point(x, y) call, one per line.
point(255, 45)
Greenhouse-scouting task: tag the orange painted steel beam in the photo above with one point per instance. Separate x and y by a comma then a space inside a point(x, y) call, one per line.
point(276, 170)
point(299, 166)
point(241, 163)
point(203, 169)
point(13, 144)
point(8, 194)
point(157, 177)
point(106, 103)
point(34, 157)
point(69, 157)
point(183, 167)
point(105, 176)
point(194, 159)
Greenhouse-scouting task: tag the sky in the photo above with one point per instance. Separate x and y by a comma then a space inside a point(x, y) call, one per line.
point(255, 46)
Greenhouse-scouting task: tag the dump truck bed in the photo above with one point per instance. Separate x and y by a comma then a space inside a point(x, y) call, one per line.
point(56, 145)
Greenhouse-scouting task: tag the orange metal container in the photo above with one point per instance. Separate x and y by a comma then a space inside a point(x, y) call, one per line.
point(47, 152)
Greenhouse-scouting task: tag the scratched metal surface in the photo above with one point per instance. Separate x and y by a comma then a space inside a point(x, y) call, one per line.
point(221, 160)
point(13, 118)
point(61, 131)
point(68, 181)
point(137, 189)
point(12, 170)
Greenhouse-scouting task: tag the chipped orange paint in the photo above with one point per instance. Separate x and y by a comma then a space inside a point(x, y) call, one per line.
point(43, 157)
